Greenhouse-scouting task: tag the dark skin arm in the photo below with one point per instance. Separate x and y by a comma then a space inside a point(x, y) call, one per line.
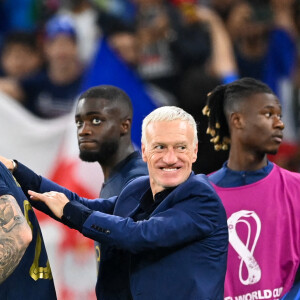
point(15, 235)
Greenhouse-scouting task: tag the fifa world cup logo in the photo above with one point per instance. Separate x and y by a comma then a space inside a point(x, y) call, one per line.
point(245, 248)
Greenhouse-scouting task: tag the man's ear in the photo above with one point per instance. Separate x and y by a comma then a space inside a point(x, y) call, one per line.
point(195, 152)
point(237, 120)
point(125, 126)
point(144, 155)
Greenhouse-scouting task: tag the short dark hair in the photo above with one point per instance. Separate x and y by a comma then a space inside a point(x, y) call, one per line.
point(24, 38)
point(110, 93)
point(225, 99)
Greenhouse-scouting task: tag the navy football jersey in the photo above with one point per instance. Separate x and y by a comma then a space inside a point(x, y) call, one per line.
point(32, 279)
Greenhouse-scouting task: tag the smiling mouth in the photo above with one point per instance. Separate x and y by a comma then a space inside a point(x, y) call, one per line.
point(170, 169)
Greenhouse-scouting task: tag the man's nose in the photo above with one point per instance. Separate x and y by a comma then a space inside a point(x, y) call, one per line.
point(85, 129)
point(170, 157)
point(278, 123)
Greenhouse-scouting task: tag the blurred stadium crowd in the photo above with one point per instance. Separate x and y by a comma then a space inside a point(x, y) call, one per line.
point(180, 48)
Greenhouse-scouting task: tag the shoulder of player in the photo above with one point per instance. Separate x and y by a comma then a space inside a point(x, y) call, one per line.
point(290, 175)
point(290, 179)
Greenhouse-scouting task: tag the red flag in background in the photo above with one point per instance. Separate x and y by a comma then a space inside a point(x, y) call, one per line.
point(49, 147)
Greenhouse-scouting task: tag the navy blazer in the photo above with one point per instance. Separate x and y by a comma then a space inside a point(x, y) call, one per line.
point(179, 253)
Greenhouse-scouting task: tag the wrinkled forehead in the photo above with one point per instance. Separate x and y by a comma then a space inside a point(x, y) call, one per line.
point(168, 130)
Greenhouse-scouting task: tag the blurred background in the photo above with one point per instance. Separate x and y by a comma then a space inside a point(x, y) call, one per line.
point(161, 52)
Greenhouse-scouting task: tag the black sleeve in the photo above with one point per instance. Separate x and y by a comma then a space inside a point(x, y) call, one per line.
point(75, 214)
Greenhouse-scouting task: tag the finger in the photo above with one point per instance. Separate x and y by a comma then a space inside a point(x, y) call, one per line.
point(37, 196)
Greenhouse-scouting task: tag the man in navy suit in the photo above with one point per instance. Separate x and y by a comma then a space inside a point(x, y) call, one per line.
point(169, 229)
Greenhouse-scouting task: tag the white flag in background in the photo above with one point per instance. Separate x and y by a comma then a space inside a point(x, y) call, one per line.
point(49, 147)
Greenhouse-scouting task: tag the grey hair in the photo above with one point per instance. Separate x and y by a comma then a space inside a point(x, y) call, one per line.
point(169, 113)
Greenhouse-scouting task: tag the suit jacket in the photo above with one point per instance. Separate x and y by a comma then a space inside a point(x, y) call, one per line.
point(179, 253)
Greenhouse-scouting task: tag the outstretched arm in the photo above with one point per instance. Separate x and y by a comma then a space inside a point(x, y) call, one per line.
point(199, 217)
point(31, 181)
point(15, 235)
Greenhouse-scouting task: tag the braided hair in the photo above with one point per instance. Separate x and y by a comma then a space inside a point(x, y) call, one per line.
point(225, 99)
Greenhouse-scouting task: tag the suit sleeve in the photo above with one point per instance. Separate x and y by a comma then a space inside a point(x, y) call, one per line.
point(31, 181)
point(188, 221)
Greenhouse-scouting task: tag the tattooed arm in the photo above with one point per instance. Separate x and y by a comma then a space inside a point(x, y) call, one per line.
point(15, 235)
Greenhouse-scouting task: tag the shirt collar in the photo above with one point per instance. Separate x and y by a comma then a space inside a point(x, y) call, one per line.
point(263, 171)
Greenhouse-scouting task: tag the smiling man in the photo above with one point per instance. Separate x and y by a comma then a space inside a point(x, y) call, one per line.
point(261, 199)
point(169, 153)
point(173, 243)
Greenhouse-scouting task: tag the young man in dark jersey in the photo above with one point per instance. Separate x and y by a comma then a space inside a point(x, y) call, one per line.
point(103, 118)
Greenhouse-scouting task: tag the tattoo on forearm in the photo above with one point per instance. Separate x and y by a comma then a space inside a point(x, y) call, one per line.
point(9, 257)
point(12, 246)
point(10, 214)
